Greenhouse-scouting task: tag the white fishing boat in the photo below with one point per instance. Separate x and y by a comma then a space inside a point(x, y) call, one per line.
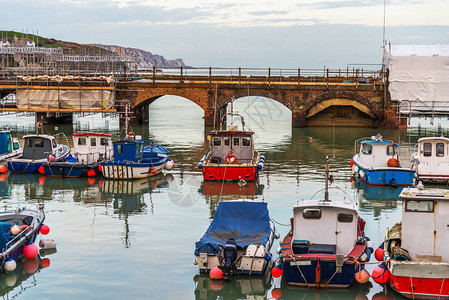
point(430, 159)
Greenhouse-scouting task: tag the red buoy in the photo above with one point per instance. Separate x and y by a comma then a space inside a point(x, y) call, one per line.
point(51, 158)
point(153, 170)
point(380, 275)
point(3, 169)
point(45, 229)
point(393, 162)
point(45, 262)
point(100, 168)
point(276, 293)
point(379, 254)
point(30, 251)
point(276, 272)
point(216, 273)
point(351, 163)
point(91, 173)
point(42, 180)
point(3, 177)
point(91, 180)
point(41, 170)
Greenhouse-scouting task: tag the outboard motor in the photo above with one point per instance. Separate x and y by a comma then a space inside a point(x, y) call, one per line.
point(230, 255)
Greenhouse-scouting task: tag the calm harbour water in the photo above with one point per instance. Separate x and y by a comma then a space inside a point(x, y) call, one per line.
point(135, 239)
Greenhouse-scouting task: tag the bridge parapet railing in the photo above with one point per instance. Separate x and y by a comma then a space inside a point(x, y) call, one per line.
point(261, 75)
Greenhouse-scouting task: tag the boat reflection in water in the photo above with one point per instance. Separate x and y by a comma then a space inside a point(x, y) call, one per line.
point(377, 197)
point(237, 287)
point(216, 191)
point(17, 282)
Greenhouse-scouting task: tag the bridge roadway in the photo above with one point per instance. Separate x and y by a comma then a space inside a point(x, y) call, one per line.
point(340, 99)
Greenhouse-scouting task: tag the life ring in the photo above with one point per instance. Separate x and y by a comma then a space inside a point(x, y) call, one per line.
point(231, 159)
point(130, 134)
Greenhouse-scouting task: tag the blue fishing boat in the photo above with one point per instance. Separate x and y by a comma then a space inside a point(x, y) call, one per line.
point(18, 231)
point(37, 149)
point(238, 241)
point(377, 163)
point(89, 149)
point(130, 161)
point(9, 146)
point(326, 244)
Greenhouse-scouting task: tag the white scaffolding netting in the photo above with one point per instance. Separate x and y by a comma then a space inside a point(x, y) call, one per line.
point(419, 77)
point(65, 99)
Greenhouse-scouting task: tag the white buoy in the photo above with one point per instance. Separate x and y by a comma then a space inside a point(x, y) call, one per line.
point(169, 164)
point(278, 250)
point(362, 174)
point(47, 244)
point(15, 230)
point(277, 235)
point(10, 265)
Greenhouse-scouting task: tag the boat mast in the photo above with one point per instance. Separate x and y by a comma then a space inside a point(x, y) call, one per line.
point(326, 174)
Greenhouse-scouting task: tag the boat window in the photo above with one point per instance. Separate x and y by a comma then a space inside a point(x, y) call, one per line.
point(227, 141)
point(427, 149)
point(419, 206)
point(38, 142)
point(236, 141)
point(103, 141)
point(367, 149)
point(217, 141)
point(93, 141)
point(82, 141)
point(30, 142)
point(246, 142)
point(391, 150)
point(138, 148)
point(119, 149)
point(54, 143)
point(311, 213)
point(440, 149)
point(345, 218)
point(15, 146)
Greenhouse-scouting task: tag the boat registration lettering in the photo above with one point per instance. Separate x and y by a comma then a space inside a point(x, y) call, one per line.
point(301, 263)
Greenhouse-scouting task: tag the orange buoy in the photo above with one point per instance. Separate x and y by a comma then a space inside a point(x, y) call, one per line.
point(3, 169)
point(276, 293)
point(216, 273)
point(380, 274)
point(362, 276)
point(393, 162)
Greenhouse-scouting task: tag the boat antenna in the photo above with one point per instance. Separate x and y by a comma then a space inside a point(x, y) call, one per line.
point(215, 105)
point(126, 119)
point(326, 174)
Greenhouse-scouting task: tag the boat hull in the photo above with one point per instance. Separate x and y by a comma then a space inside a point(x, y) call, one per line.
point(305, 273)
point(230, 172)
point(23, 167)
point(384, 176)
point(430, 282)
point(119, 170)
point(70, 170)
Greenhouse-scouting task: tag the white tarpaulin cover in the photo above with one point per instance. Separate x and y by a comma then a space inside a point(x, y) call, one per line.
point(419, 77)
point(65, 99)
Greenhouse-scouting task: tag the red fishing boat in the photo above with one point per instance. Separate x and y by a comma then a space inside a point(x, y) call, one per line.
point(232, 156)
point(416, 249)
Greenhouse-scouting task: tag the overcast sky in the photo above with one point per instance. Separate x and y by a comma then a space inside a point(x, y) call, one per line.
point(233, 33)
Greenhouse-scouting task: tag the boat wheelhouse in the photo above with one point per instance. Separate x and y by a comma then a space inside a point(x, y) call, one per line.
point(431, 159)
point(232, 156)
point(326, 243)
point(9, 146)
point(416, 249)
point(89, 148)
point(238, 240)
point(377, 163)
point(37, 149)
point(130, 162)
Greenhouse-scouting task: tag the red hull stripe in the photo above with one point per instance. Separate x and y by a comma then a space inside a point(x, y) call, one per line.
point(230, 172)
point(426, 288)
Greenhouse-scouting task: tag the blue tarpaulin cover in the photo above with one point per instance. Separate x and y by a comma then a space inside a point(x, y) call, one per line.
point(4, 234)
point(247, 222)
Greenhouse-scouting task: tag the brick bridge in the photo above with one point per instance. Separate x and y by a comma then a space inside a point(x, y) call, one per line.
point(328, 103)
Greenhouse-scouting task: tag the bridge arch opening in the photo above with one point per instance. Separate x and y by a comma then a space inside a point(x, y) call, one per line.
point(175, 121)
point(340, 112)
point(270, 120)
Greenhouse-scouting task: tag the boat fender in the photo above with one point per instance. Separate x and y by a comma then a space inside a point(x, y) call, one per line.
point(277, 235)
point(10, 265)
point(169, 164)
point(380, 274)
point(379, 253)
point(260, 165)
point(15, 230)
point(356, 169)
point(268, 256)
point(278, 250)
point(393, 163)
point(47, 244)
point(195, 262)
point(44, 229)
point(231, 159)
point(276, 271)
point(262, 158)
point(362, 276)
point(3, 169)
point(362, 174)
point(200, 165)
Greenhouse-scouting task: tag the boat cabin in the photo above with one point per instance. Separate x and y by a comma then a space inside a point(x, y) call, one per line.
point(433, 156)
point(7, 143)
point(38, 146)
point(231, 142)
point(376, 152)
point(128, 150)
point(425, 224)
point(92, 146)
point(324, 227)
